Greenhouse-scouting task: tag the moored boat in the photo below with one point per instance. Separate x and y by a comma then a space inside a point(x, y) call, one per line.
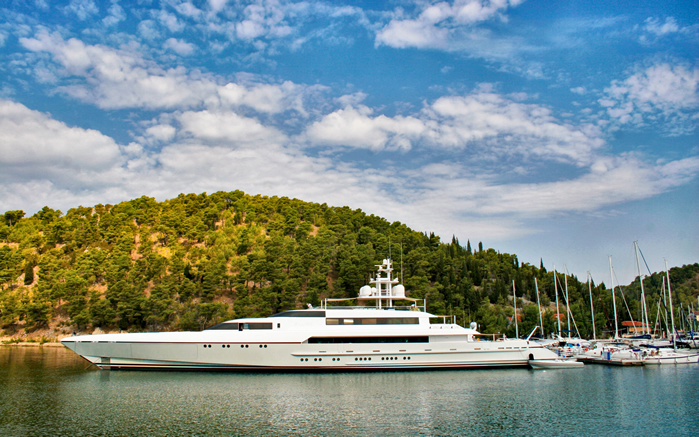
point(383, 337)
point(555, 364)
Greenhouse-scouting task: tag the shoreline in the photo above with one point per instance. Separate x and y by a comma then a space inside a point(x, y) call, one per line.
point(33, 344)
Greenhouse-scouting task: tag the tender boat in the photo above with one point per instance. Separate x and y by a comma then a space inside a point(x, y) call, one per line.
point(555, 364)
point(382, 337)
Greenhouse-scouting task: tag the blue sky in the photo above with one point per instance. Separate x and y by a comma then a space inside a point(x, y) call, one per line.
point(555, 130)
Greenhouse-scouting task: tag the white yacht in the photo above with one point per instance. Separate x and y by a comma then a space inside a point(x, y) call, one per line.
point(380, 337)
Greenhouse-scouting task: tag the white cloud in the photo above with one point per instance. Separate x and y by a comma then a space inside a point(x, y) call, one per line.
point(624, 179)
point(170, 21)
point(148, 29)
point(654, 26)
point(179, 46)
point(499, 126)
point(355, 127)
point(160, 133)
point(660, 91)
point(116, 14)
point(124, 79)
point(435, 23)
point(30, 138)
point(488, 125)
point(264, 97)
point(229, 128)
point(217, 5)
point(82, 8)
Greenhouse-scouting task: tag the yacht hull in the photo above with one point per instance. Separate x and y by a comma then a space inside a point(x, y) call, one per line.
point(306, 357)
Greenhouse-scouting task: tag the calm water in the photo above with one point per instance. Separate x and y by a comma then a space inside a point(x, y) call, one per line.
point(48, 391)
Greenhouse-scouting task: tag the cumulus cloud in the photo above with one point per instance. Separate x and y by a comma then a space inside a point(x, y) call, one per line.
point(82, 8)
point(434, 23)
point(179, 46)
point(121, 78)
point(229, 128)
point(654, 26)
point(507, 127)
point(661, 91)
point(116, 14)
point(355, 127)
point(483, 122)
point(30, 139)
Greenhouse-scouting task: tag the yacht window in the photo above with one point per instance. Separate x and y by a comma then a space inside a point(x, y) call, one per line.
point(345, 340)
point(224, 325)
point(257, 325)
point(374, 321)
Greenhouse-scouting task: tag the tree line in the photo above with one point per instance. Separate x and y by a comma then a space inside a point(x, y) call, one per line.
point(192, 261)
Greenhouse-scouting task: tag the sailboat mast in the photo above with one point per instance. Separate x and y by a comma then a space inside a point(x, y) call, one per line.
point(514, 303)
point(565, 278)
point(616, 323)
point(672, 315)
point(592, 307)
point(667, 325)
point(644, 309)
point(555, 287)
point(538, 303)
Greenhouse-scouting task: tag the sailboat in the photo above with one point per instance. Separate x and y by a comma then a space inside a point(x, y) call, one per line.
point(664, 355)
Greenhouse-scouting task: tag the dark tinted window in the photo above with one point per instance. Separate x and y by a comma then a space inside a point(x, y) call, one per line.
point(224, 325)
point(241, 326)
point(344, 340)
point(374, 321)
point(257, 326)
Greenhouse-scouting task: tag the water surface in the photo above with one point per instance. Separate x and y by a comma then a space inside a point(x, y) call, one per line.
point(49, 391)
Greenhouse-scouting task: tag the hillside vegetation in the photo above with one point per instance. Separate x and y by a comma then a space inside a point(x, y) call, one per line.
point(195, 260)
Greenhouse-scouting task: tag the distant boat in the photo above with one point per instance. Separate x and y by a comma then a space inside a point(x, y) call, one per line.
point(668, 356)
point(555, 364)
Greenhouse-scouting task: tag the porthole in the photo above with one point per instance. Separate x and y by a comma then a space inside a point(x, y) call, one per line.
point(247, 346)
point(204, 345)
point(320, 359)
point(242, 345)
point(302, 360)
point(306, 359)
point(260, 346)
point(265, 346)
point(315, 359)
point(356, 359)
point(228, 346)
point(223, 346)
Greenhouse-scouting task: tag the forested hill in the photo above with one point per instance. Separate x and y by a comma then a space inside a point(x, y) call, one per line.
point(192, 261)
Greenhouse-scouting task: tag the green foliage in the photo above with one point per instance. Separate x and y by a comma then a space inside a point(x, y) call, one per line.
point(195, 260)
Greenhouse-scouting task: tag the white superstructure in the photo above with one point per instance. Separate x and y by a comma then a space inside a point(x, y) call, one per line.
point(344, 338)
